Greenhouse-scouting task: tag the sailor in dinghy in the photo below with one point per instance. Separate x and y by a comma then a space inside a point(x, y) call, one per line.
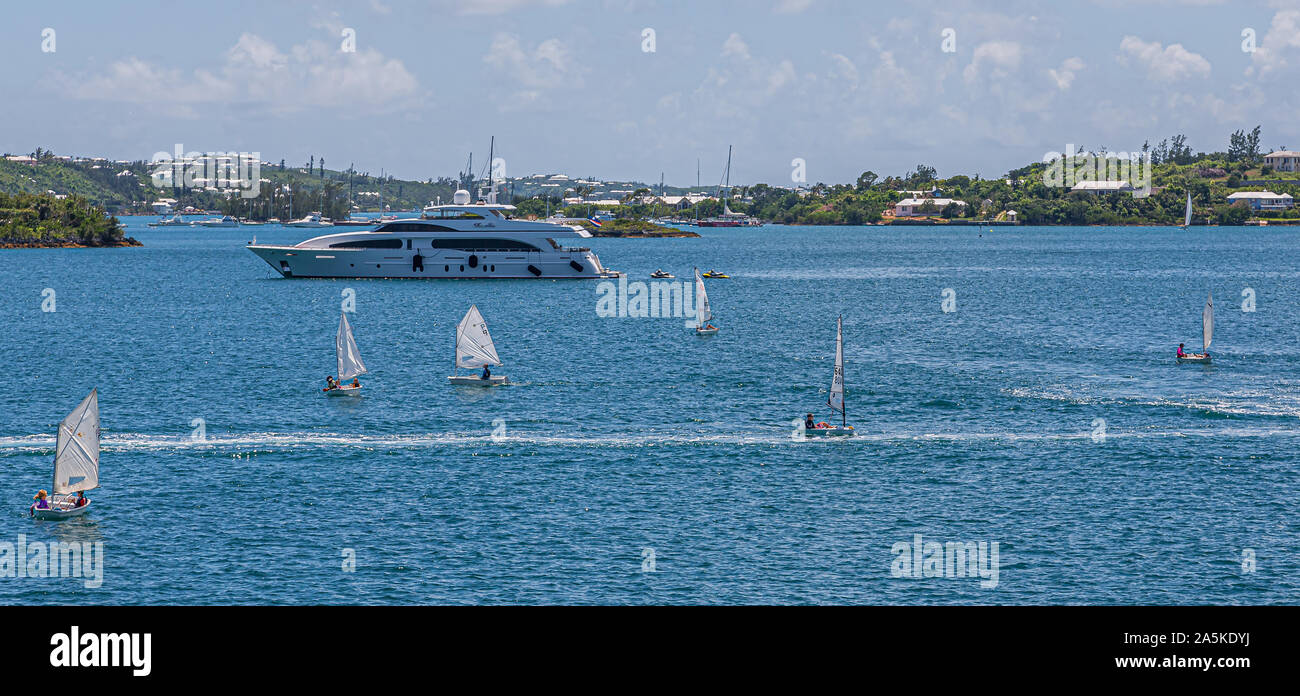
point(349, 362)
point(76, 464)
point(703, 311)
point(475, 349)
point(1207, 335)
point(836, 397)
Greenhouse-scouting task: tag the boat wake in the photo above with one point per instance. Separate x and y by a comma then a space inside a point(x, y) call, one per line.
point(304, 442)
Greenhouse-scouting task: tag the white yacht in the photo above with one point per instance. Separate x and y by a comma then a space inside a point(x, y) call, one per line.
point(460, 240)
point(312, 220)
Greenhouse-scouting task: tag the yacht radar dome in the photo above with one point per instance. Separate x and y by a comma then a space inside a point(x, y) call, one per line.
point(461, 197)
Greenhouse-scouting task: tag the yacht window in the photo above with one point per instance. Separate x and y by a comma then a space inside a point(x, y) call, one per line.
point(368, 244)
point(408, 245)
point(484, 244)
point(411, 227)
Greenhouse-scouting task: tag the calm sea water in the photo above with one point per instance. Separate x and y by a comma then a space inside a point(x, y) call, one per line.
point(622, 435)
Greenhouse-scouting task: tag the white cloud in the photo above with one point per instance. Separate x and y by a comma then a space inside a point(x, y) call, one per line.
point(547, 65)
point(1064, 76)
point(791, 6)
point(1170, 63)
point(735, 46)
point(496, 7)
point(255, 71)
point(997, 58)
point(1282, 37)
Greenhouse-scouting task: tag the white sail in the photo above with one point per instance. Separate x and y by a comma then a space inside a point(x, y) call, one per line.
point(703, 312)
point(474, 347)
point(836, 398)
point(349, 357)
point(1187, 216)
point(1207, 323)
point(76, 454)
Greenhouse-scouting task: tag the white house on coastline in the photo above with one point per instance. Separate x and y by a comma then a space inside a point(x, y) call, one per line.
point(911, 207)
point(1263, 200)
point(1103, 186)
point(1283, 161)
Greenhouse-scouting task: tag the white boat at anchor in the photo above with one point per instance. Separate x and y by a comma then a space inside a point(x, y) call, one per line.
point(461, 240)
point(76, 461)
point(836, 397)
point(224, 221)
point(311, 220)
point(475, 350)
point(349, 361)
point(1207, 335)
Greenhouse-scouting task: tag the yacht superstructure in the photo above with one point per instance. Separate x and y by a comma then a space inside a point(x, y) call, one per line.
point(460, 240)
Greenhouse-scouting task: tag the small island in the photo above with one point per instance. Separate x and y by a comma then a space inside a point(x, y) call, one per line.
point(42, 221)
point(634, 228)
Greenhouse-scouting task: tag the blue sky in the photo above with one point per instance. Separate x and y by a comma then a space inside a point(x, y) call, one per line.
point(565, 86)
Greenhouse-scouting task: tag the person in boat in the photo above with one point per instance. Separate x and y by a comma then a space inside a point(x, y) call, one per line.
point(330, 383)
point(808, 422)
point(1181, 354)
point(42, 501)
point(356, 384)
point(710, 327)
point(82, 500)
point(487, 372)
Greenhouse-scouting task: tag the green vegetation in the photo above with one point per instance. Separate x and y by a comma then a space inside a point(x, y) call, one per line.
point(630, 227)
point(1176, 170)
point(28, 220)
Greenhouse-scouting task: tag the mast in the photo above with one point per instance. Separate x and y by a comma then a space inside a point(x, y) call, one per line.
point(844, 411)
point(492, 194)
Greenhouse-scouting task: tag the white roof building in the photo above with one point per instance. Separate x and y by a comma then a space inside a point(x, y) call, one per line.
point(909, 207)
point(1283, 160)
point(1263, 200)
point(1103, 186)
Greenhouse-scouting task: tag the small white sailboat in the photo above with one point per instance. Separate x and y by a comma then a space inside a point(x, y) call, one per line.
point(349, 360)
point(1207, 335)
point(1187, 214)
point(836, 397)
point(76, 461)
point(475, 350)
point(703, 312)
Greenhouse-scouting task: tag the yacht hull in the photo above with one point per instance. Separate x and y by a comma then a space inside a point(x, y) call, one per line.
point(298, 262)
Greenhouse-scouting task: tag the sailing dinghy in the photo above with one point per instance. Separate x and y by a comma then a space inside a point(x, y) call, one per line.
point(475, 350)
point(836, 397)
point(349, 361)
point(1187, 214)
point(76, 461)
point(1207, 335)
point(703, 313)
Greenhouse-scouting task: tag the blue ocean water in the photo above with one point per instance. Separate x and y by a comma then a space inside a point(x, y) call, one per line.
point(1045, 413)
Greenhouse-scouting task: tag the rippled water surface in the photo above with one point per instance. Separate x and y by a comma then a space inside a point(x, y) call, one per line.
point(1046, 414)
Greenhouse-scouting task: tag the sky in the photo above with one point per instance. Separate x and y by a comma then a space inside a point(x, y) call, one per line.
point(630, 89)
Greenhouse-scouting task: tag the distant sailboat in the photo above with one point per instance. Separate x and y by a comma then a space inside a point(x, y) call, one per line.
point(836, 397)
point(703, 312)
point(1187, 215)
point(349, 360)
point(475, 350)
point(76, 461)
point(1207, 335)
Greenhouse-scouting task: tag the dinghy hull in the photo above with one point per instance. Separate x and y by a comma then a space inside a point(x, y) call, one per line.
point(344, 391)
point(835, 431)
point(475, 381)
point(56, 514)
point(706, 332)
point(1194, 359)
